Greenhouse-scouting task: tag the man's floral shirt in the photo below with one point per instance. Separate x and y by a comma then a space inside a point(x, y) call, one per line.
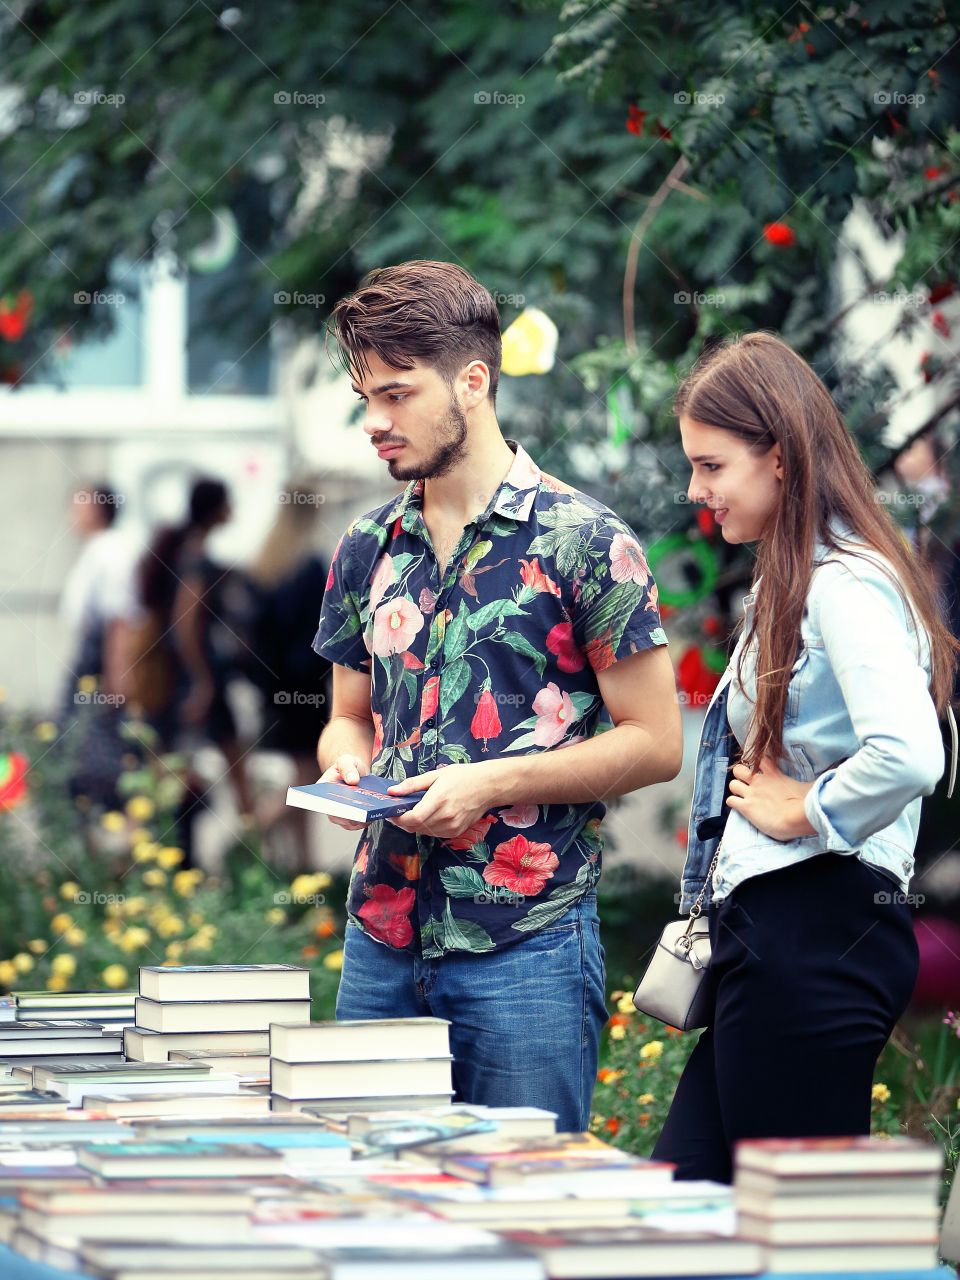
point(499, 657)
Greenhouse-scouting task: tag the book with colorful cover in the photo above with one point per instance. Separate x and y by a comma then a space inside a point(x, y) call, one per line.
point(366, 801)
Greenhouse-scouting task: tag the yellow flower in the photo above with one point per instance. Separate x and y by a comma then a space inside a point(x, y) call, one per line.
point(880, 1091)
point(606, 1075)
point(276, 915)
point(64, 965)
point(645, 1099)
point(113, 821)
point(132, 939)
point(154, 877)
point(23, 962)
point(37, 945)
point(46, 731)
point(170, 857)
point(57, 982)
point(69, 890)
point(617, 1032)
point(333, 960)
point(140, 835)
point(74, 937)
point(529, 344)
point(61, 923)
point(87, 684)
point(195, 919)
point(306, 886)
point(169, 926)
point(650, 1052)
point(625, 1004)
point(199, 942)
point(140, 808)
point(144, 850)
point(134, 906)
point(185, 882)
point(174, 950)
point(111, 928)
point(8, 974)
point(114, 975)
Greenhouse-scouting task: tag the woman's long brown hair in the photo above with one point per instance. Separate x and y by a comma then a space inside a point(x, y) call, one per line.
point(761, 390)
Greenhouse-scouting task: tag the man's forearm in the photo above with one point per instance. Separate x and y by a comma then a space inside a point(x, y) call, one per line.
point(345, 735)
point(613, 763)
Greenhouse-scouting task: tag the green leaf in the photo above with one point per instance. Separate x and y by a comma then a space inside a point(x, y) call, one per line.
point(546, 912)
point(464, 935)
point(453, 684)
point(495, 609)
point(455, 637)
point(476, 553)
point(522, 645)
point(463, 882)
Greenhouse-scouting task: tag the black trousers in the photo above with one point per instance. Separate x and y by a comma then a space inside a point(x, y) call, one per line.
point(811, 968)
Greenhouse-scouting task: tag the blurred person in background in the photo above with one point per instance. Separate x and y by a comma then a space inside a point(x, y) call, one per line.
point(97, 594)
point(181, 644)
point(288, 579)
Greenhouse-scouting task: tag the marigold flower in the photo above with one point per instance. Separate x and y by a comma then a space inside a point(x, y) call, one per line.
point(69, 890)
point(333, 960)
point(880, 1092)
point(617, 1032)
point(140, 808)
point(651, 1051)
point(114, 975)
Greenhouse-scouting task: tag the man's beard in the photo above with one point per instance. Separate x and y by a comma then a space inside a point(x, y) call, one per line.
point(451, 450)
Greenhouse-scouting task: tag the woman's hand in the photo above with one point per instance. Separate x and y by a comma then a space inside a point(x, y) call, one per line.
point(771, 800)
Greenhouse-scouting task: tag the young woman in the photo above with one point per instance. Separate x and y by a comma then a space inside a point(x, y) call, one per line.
point(829, 711)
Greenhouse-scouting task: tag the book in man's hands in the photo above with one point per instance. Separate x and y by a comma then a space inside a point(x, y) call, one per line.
point(365, 801)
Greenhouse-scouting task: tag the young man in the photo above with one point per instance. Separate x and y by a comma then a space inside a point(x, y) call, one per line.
point(478, 625)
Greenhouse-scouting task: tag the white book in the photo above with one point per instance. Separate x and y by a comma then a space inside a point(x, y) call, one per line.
point(233, 1015)
point(354, 1040)
point(396, 1076)
point(140, 1045)
point(192, 982)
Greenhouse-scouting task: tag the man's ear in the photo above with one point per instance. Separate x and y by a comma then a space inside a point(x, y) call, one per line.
point(476, 380)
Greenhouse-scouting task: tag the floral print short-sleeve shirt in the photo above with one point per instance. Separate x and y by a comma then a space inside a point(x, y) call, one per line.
point(497, 657)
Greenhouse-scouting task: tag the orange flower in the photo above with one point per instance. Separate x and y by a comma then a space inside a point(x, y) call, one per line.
point(324, 929)
point(533, 576)
point(619, 1020)
point(613, 1125)
point(643, 1119)
point(309, 952)
point(604, 1074)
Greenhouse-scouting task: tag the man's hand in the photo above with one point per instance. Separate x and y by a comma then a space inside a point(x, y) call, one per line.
point(456, 796)
point(349, 769)
point(771, 800)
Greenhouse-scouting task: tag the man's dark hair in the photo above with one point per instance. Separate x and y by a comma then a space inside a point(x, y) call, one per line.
point(430, 311)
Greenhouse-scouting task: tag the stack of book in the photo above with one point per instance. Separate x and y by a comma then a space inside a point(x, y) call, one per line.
point(112, 1009)
point(24, 1045)
point(216, 1008)
point(80, 1082)
point(840, 1204)
point(361, 1065)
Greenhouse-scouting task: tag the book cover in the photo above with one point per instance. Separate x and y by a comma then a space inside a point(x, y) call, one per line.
point(364, 802)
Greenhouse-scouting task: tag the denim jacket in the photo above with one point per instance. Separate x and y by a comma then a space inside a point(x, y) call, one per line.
point(859, 723)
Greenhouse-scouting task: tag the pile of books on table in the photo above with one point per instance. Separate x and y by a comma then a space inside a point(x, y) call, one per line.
point(361, 1065)
point(111, 1009)
point(840, 1204)
point(183, 1166)
point(219, 1008)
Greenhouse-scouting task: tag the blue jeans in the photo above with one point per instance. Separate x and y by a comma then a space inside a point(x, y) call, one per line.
point(525, 1020)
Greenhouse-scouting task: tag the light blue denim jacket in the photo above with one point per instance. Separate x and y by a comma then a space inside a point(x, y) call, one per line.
point(859, 721)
